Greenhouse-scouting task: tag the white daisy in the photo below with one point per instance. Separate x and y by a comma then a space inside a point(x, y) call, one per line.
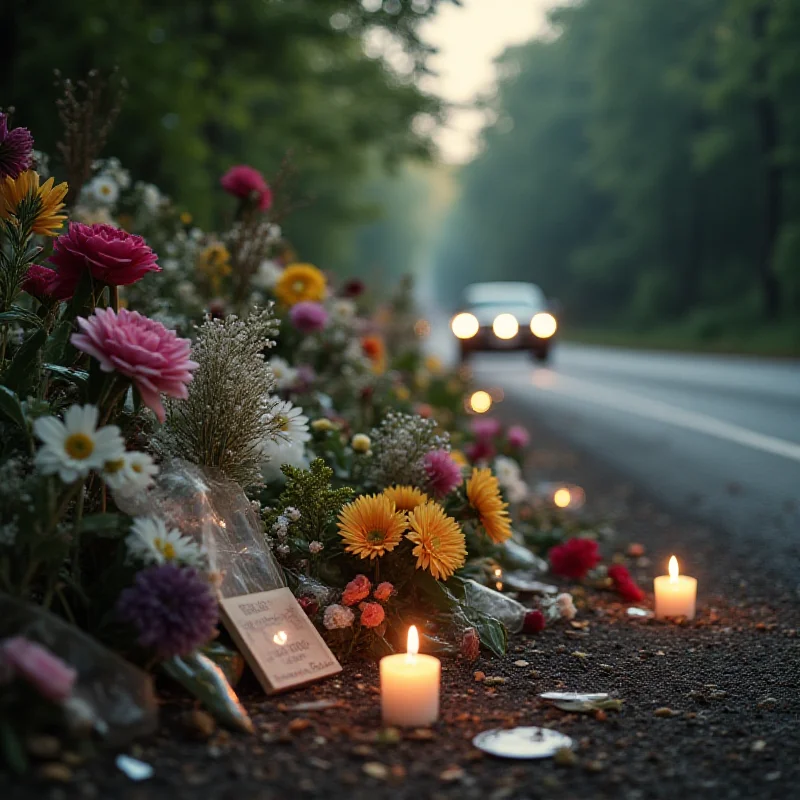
point(277, 453)
point(293, 424)
point(151, 543)
point(267, 275)
point(74, 447)
point(507, 471)
point(103, 189)
point(343, 310)
point(131, 473)
point(151, 197)
point(285, 375)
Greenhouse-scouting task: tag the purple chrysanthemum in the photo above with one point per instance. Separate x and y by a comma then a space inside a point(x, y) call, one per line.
point(308, 316)
point(16, 149)
point(172, 608)
point(443, 472)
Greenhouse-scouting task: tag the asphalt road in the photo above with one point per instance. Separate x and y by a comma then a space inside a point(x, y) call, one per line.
point(715, 437)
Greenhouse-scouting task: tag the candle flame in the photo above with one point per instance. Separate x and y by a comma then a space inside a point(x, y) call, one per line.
point(413, 641)
point(673, 569)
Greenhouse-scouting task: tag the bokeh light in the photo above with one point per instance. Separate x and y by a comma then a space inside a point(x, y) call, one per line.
point(465, 325)
point(543, 325)
point(505, 326)
point(480, 402)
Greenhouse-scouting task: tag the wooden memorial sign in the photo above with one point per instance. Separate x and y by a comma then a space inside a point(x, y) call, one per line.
point(277, 639)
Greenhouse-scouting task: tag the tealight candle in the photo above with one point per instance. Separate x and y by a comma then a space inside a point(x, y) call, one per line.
point(410, 686)
point(676, 594)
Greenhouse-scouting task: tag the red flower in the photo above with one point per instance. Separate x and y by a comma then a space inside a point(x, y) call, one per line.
point(625, 585)
point(534, 622)
point(470, 644)
point(482, 450)
point(353, 288)
point(38, 281)
point(111, 255)
point(248, 184)
point(357, 590)
point(574, 558)
point(309, 605)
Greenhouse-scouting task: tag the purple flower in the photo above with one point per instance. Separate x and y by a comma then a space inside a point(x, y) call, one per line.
point(16, 149)
point(518, 436)
point(308, 316)
point(443, 472)
point(172, 608)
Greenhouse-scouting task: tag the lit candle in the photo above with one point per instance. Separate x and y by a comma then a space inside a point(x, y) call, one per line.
point(410, 686)
point(675, 594)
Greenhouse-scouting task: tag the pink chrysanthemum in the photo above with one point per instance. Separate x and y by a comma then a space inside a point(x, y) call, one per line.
point(444, 474)
point(308, 317)
point(16, 149)
point(248, 184)
point(485, 427)
point(518, 436)
point(154, 358)
point(111, 255)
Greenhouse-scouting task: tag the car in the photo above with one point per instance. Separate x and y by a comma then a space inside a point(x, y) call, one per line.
point(505, 315)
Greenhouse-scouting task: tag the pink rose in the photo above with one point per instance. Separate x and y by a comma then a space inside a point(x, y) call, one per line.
point(48, 674)
point(111, 255)
point(247, 183)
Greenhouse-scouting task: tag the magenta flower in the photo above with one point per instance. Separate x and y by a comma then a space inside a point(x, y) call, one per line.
point(308, 317)
point(485, 427)
point(247, 183)
point(154, 358)
point(444, 474)
point(38, 282)
point(111, 255)
point(16, 149)
point(481, 451)
point(173, 610)
point(518, 436)
point(353, 288)
point(47, 673)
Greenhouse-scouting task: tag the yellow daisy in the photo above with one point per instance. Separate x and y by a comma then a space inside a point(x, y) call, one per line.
point(300, 282)
point(371, 526)
point(459, 458)
point(215, 263)
point(32, 204)
point(440, 546)
point(483, 494)
point(405, 498)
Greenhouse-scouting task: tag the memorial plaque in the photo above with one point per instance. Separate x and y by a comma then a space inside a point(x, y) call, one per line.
point(278, 640)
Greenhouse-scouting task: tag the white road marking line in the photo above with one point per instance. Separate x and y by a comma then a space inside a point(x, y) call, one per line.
point(620, 400)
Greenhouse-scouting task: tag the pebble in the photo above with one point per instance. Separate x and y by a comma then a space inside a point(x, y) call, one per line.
point(564, 757)
point(55, 773)
point(43, 747)
point(521, 663)
point(374, 769)
point(200, 724)
point(665, 712)
point(451, 774)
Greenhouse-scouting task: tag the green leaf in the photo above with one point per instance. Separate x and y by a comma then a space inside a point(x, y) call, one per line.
point(23, 370)
point(493, 633)
point(12, 408)
point(199, 675)
point(12, 749)
point(104, 525)
point(22, 315)
point(77, 376)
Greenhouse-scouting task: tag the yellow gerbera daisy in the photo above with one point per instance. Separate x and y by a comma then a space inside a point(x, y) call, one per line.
point(371, 526)
point(300, 282)
point(32, 204)
point(215, 263)
point(440, 546)
point(405, 498)
point(459, 458)
point(483, 494)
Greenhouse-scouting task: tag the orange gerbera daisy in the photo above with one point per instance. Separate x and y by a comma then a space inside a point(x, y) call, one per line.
point(440, 546)
point(484, 496)
point(374, 349)
point(30, 203)
point(405, 498)
point(300, 282)
point(371, 526)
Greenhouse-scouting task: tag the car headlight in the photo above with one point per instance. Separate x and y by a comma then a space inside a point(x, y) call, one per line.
point(505, 326)
point(465, 325)
point(543, 325)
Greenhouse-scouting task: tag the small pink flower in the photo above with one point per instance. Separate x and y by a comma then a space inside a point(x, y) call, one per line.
point(248, 184)
point(518, 436)
point(154, 358)
point(38, 283)
point(372, 615)
point(383, 592)
point(485, 427)
point(480, 451)
point(534, 622)
point(47, 673)
point(111, 255)
point(444, 474)
point(357, 590)
point(470, 644)
point(308, 316)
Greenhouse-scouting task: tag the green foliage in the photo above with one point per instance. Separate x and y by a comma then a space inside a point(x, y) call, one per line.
point(643, 164)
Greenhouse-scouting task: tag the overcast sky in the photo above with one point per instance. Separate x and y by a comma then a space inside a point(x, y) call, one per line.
point(469, 38)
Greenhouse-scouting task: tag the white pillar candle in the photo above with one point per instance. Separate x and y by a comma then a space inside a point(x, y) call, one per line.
point(676, 594)
point(410, 686)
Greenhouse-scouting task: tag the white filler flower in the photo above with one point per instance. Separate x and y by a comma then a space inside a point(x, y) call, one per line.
point(151, 543)
point(73, 448)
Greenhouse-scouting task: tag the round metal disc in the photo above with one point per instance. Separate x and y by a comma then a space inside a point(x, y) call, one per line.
point(521, 742)
point(578, 697)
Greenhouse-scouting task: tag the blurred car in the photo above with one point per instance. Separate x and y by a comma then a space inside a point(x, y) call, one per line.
point(505, 315)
